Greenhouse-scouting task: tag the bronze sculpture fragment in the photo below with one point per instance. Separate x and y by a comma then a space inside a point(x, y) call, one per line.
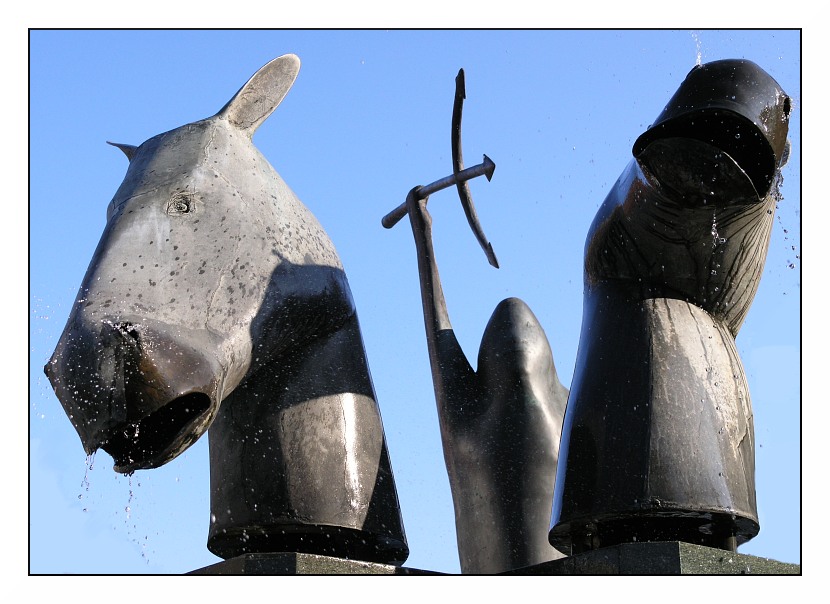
point(500, 423)
point(216, 300)
point(658, 438)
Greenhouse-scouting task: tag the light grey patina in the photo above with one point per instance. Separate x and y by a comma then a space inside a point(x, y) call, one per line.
point(216, 299)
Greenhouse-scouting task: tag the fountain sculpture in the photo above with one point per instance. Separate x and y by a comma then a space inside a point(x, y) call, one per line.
point(500, 423)
point(216, 300)
point(658, 442)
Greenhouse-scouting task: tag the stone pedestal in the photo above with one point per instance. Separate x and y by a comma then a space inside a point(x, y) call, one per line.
point(659, 558)
point(301, 564)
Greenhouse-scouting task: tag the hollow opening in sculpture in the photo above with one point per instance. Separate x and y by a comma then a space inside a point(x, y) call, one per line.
point(694, 156)
point(144, 381)
point(141, 443)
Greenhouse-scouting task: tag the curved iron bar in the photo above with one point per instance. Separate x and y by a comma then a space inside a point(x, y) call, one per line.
point(459, 177)
point(458, 166)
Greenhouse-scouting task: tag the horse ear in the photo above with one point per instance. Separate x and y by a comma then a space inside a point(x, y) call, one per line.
point(129, 150)
point(260, 95)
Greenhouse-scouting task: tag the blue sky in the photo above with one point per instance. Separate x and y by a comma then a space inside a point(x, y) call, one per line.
point(367, 119)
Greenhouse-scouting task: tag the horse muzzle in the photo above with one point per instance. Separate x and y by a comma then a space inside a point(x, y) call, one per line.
point(143, 392)
point(722, 136)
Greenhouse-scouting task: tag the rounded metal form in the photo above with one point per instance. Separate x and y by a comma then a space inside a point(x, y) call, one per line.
point(658, 438)
point(733, 105)
point(215, 300)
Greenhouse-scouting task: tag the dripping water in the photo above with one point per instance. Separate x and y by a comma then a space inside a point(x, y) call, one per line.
point(778, 197)
point(698, 54)
point(90, 462)
point(132, 531)
point(716, 238)
point(714, 265)
point(128, 508)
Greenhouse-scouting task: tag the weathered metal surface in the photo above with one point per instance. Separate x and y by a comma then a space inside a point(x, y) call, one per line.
point(500, 423)
point(658, 437)
point(216, 299)
point(459, 177)
point(458, 168)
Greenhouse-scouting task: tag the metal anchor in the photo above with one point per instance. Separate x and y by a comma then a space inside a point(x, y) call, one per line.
point(459, 177)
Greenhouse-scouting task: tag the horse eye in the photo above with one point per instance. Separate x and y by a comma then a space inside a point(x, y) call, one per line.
point(180, 203)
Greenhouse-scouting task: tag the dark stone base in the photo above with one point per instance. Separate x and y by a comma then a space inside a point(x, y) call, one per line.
point(301, 564)
point(659, 558)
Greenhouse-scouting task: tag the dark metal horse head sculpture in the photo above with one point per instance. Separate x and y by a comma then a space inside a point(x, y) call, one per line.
point(657, 442)
point(216, 300)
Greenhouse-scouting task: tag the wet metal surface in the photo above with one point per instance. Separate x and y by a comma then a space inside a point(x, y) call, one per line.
point(658, 439)
point(500, 423)
point(216, 300)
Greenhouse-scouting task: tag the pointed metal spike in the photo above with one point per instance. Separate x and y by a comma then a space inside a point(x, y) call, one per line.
point(491, 256)
point(460, 85)
point(489, 167)
point(485, 168)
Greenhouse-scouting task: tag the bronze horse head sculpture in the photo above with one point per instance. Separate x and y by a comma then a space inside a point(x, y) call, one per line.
point(216, 300)
point(658, 437)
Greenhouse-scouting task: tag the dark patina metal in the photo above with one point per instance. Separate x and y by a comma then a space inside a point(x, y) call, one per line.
point(500, 424)
point(459, 177)
point(658, 440)
point(216, 300)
